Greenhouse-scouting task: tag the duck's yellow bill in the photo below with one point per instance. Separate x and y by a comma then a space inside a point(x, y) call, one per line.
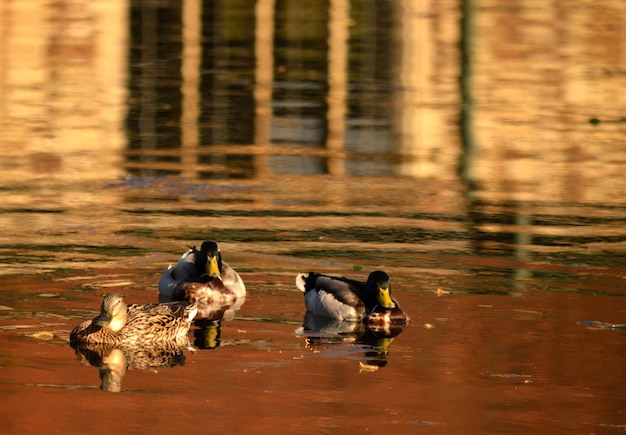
point(212, 266)
point(384, 298)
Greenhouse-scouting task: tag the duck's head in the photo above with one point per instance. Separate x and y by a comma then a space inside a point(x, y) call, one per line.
point(378, 286)
point(213, 258)
point(113, 314)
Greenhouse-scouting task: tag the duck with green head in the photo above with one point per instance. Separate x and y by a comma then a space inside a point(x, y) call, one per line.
point(201, 275)
point(351, 300)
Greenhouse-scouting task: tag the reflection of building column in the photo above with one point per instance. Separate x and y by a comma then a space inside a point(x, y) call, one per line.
point(466, 87)
point(337, 82)
point(421, 115)
point(264, 78)
point(411, 117)
point(226, 89)
point(521, 251)
point(154, 85)
point(147, 134)
point(192, 28)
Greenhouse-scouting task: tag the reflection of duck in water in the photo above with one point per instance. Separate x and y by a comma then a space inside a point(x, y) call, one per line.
point(351, 300)
point(130, 325)
point(202, 276)
point(378, 353)
point(113, 362)
point(321, 331)
point(112, 371)
point(207, 334)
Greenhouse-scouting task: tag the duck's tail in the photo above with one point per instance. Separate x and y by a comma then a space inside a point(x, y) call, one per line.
point(301, 280)
point(192, 312)
point(307, 281)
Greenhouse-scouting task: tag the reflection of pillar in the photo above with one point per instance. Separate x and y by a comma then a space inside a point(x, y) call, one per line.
point(192, 28)
point(467, 138)
point(147, 135)
point(226, 107)
point(425, 104)
point(523, 239)
point(264, 77)
point(111, 63)
point(337, 83)
point(155, 84)
point(416, 58)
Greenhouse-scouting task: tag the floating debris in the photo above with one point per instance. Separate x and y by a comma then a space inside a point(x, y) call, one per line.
point(368, 368)
point(441, 292)
point(41, 335)
point(596, 121)
point(511, 376)
point(592, 324)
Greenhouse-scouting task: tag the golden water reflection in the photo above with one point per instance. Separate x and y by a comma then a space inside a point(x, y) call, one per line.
point(192, 93)
point(446, 142)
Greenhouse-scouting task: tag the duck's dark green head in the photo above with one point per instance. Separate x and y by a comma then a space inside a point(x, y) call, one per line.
point(213, 258)
point(378, 281)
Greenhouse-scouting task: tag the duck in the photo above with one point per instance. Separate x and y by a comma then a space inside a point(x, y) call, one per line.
point(346, 299)
point(119, 324)
point(201, 275)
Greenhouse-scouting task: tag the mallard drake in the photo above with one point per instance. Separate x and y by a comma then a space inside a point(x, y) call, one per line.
point(351, 300)
point(119, 324)
point(202, 276)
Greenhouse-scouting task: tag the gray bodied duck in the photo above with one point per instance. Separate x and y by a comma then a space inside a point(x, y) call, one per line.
point(351, 300)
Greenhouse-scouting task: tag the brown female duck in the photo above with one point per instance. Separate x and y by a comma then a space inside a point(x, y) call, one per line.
point(119, 324)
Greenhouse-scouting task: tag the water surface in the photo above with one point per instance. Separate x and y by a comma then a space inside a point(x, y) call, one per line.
point(447, 144)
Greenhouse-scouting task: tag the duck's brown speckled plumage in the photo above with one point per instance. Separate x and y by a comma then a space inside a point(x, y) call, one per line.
point(119, 324)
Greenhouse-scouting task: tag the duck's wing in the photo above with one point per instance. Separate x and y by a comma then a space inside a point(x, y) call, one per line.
point(185, 270)
point(78, 334)
point(169, 289)
point(344, 290)
point(164, 314)
point(165, 324)
point(232, 280)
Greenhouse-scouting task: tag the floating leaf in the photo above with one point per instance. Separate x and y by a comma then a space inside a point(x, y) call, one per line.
point(42, 335)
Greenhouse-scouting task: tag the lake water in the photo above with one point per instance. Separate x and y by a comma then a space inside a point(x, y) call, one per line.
point(448, 143)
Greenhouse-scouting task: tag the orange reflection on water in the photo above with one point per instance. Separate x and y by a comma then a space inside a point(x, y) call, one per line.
point(332, 136)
